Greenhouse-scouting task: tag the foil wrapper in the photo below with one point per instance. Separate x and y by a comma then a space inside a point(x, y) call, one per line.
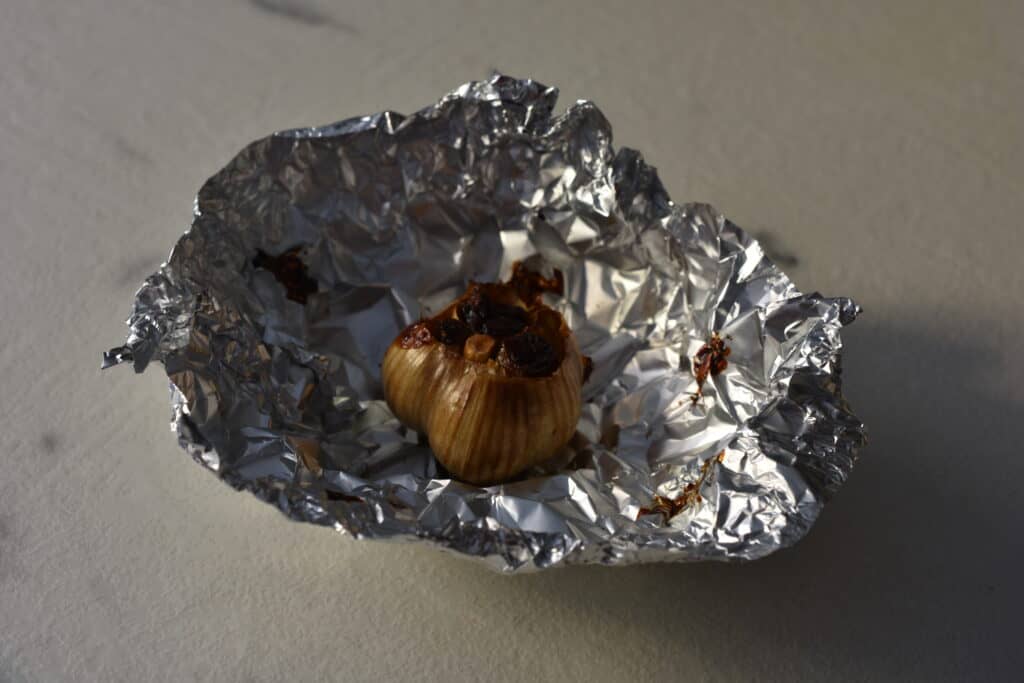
point(392, 215)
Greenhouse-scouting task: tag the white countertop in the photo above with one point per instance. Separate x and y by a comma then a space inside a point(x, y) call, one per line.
point(879, 149)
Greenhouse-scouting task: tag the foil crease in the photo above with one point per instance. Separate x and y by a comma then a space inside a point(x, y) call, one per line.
point(392, 215)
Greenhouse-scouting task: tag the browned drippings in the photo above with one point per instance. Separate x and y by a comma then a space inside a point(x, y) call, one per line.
point(529, 284)
point(416, 335)
point(670, 507)
point(307, 451)
point(289, 270)
point(504, 322)
point(335, 495)
point(710, 360)
point(610, 435)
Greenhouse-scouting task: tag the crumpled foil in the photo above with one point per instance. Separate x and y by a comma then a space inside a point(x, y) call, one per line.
point(393, 215)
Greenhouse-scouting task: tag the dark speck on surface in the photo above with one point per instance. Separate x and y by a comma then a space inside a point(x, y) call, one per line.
point(775, 250)
point(303, 12)
point(5, 550)
point(127, 151)
point(102, 591)
point(48, 442)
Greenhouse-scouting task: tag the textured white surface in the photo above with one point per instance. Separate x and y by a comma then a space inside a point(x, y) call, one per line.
point(879, 149)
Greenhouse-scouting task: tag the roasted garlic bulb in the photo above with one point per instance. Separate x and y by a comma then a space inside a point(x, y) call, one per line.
point(493, 380)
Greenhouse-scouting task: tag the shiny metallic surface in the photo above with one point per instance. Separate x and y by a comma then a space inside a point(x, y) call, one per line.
point(392, 215)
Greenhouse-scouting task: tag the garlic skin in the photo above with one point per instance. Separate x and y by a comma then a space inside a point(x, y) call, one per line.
point(482, 424)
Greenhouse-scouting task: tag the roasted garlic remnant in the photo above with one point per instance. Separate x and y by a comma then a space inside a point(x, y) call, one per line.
point(494, 380)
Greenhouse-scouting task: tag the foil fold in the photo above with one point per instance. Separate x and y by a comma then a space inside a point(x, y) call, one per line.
point(392, 215)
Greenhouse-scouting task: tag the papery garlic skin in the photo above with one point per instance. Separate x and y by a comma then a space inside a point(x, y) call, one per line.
point(483, 425)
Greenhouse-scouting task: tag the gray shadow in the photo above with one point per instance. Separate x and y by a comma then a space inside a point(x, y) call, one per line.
point(302, 12)
point(910, 572)
point(133, 272)
point(775, 248)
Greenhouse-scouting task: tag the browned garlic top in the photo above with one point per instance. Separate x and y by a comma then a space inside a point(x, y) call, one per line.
point(506, 324)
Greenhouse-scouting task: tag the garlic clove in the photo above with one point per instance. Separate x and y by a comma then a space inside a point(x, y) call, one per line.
point(482, 425)
point(494, 380)
point(479, 348)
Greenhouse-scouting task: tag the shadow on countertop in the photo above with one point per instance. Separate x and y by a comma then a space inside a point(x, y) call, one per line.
point(910, 572)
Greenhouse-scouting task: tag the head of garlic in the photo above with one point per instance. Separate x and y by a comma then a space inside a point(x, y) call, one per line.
point(493, 381)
